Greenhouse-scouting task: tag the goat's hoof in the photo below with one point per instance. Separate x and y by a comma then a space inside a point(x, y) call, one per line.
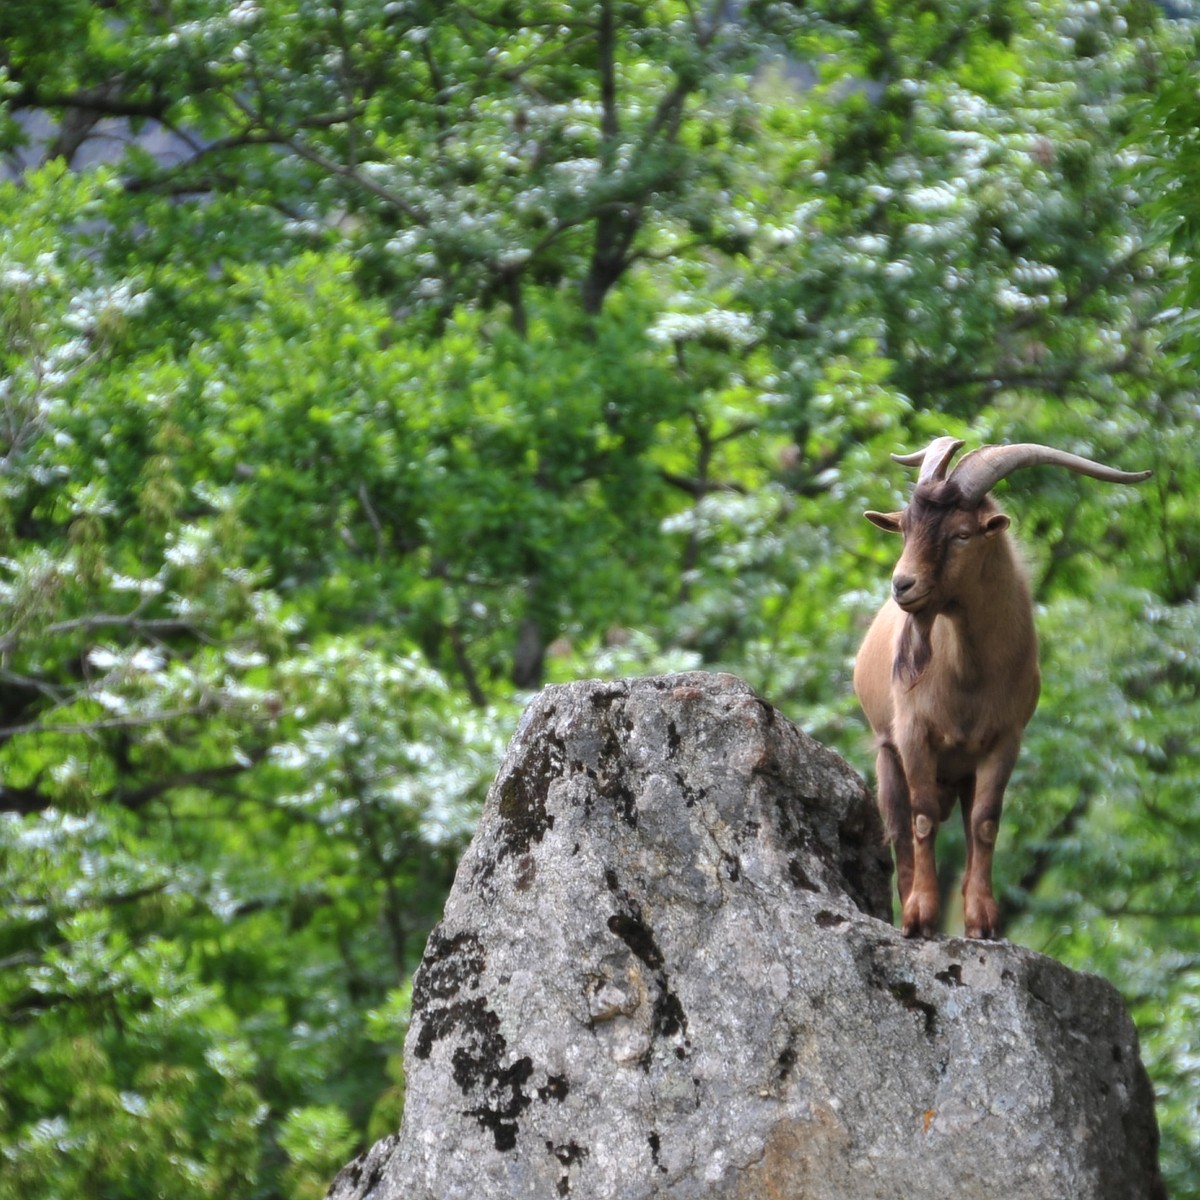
point(982, 919)
point(919, 920)
point(984, 933)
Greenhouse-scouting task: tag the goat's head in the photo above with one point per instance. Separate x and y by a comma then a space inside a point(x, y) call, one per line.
point(952, 524)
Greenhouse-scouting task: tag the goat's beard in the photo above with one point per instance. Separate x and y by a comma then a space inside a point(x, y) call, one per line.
point(914, 649)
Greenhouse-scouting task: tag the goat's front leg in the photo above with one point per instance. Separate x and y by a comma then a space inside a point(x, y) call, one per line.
point(919, 915)
point(981, 818)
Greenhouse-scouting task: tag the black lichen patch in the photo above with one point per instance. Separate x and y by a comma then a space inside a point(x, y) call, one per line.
point(568, 1154)
point(524, 792)
point(441, 1022)
point(786, 1061)
point(674, 741)
point(669, 1017)
point(906, 993)
point(557, 1088)
point(505, 1098)
point(476, 1059)
point(691, 794)
point(450, 964)
point(612, 776)
point(829, 920)
point(604, 698)
point(616, 789)
point(951, 976)
point(637, 936)
point(629, 924)
point(656, 1150)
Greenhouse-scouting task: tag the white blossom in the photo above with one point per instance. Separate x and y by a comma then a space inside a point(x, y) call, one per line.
point(146, 660)
point(736, 328)
point(102, 658)
point(189, 547)
point(937, 198)
point(244, 13)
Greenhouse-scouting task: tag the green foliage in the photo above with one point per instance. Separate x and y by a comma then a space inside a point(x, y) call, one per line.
point(403, 357)
point(318, 1142)
point(1165, 143)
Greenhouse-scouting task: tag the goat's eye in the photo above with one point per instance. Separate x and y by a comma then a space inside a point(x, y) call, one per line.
point(963, 535)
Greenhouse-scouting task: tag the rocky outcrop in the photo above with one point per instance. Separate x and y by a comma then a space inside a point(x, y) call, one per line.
point(665, 971)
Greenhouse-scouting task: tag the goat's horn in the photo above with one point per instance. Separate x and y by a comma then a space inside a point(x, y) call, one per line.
point(980, 470)
point(933, 460)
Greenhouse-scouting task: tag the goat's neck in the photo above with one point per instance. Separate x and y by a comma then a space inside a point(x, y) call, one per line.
point(991, 622)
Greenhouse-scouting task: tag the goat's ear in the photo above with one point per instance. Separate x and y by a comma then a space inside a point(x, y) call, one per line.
point(996, 523)
point(887, 521)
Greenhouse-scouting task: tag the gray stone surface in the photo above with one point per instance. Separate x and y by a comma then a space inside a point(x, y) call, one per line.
point(663, 972)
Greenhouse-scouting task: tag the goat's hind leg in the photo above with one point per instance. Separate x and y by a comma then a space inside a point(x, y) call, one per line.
point(896, 811)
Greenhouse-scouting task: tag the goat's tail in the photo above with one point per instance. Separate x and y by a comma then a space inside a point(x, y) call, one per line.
point(894, 804)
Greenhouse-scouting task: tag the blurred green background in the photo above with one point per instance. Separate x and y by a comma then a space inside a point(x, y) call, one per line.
point(365, 366)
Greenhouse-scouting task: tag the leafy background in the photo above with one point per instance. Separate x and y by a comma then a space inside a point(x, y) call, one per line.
point(365, 366)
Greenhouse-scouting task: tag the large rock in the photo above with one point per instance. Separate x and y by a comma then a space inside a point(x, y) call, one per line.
point(664, 970)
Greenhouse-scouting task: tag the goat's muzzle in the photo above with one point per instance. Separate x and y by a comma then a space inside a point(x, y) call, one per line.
point(908, 593)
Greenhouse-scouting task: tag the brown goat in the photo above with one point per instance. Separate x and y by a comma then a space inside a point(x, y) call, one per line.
point(948, 674)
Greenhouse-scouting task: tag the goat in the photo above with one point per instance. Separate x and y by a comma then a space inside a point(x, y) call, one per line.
point(947, 674)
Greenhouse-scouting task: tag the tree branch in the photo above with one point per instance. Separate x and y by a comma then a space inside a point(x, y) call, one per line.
point(610, 123)
point(103, 100)
point(24, 801)
point(91, 727)
point(135, 798)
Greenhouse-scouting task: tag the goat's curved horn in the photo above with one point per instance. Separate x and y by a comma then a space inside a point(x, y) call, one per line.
point(933, 460)
point(980, 470)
